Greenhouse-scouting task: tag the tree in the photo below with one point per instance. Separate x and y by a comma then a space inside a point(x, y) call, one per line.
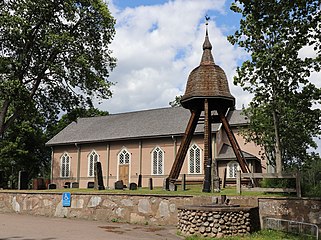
point(23, 145)
point(54, 55)
point(23, 148)
point(283, 116)
point(176, 102)
point(312, 176)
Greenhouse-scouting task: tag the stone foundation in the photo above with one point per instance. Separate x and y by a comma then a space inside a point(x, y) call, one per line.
point(214, 221)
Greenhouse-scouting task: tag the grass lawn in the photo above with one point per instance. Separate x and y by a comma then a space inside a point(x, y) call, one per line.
point(194, 190)
point(261, 235)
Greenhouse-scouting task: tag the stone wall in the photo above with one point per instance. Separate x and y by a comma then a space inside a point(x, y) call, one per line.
point(147, 209)
point(296, 209)
point(143, 209)
point(217, 222)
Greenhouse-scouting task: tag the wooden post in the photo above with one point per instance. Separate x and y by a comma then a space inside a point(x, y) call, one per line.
point(207, 148)
point(224, 179)
point(183, 182)
point(238, 182)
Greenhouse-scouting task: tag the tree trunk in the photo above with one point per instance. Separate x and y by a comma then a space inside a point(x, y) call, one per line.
point(278, 157)
point(5, 120)
point(3, 114)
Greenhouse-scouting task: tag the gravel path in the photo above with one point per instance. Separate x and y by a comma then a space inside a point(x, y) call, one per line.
point(27, 227)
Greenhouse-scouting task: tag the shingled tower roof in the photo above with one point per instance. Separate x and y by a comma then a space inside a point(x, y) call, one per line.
point(207, 81)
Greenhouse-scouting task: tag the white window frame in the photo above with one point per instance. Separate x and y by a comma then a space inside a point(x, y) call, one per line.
point(160, 159)
point(124, 152)
point(65, 157)
point(232, 168)
point(191, 159)
point(93, 154)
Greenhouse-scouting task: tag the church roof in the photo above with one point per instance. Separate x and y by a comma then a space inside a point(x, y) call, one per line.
point(154, 123)
point(226, 153)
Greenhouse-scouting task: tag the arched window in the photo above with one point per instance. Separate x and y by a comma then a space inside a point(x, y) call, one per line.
point(157, 161)
point(93, 157)
point(194, 159)
point(232, 168)
point(124, 157)
point(65, 165)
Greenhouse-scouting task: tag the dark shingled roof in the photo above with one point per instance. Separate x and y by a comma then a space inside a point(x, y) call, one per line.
point(152, 123)
point(226, 153)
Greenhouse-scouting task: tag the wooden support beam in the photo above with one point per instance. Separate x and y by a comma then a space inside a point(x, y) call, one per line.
point(236, 148)
point(182, 151)
point(207, 147)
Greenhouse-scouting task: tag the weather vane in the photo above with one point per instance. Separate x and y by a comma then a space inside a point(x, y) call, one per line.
point(207, 18)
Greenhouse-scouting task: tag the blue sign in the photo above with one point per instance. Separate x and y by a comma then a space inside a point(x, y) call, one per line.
point(66, 199)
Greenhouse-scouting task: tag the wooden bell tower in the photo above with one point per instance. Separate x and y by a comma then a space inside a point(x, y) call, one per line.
point(206, 90)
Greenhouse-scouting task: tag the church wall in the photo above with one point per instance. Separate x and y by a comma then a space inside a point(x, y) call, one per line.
point(108, 156)
point(85, 151)
point(249, 147)
point(58, 151)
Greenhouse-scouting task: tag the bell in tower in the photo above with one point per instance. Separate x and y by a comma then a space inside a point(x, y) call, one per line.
point(206, 90)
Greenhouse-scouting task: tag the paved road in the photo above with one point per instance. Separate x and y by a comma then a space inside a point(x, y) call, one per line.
point(26, 227)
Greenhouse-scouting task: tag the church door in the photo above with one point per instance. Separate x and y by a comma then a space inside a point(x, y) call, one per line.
point(124, 161)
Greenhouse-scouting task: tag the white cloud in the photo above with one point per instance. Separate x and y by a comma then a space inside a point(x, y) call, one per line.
point(158, 46)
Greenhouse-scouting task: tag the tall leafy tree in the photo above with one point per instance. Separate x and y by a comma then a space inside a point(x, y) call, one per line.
point(283, 115)
point(312, 176)
point(53, 55)
point(23, 148)
point(23, 144)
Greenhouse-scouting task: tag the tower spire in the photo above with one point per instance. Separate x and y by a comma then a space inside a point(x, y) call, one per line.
point(207, 57)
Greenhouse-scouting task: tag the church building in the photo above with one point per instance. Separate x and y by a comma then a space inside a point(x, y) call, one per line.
point(145, 143)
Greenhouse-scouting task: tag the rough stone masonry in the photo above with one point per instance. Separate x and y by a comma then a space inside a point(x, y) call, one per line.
point(210, 223)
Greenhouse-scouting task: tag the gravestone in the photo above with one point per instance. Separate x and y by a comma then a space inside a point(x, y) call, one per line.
point(39, 184)
point(99, 182)
point(139, 181)
point(172, 186)
point(90, 184)
point(119, 185)
point(23, 180)
point(166, 184)
point(52, 186)
point(132, 186)
point(75, 185)
point(150, 184)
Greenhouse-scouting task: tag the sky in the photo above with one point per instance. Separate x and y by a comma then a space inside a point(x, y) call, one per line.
point(159, 42)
